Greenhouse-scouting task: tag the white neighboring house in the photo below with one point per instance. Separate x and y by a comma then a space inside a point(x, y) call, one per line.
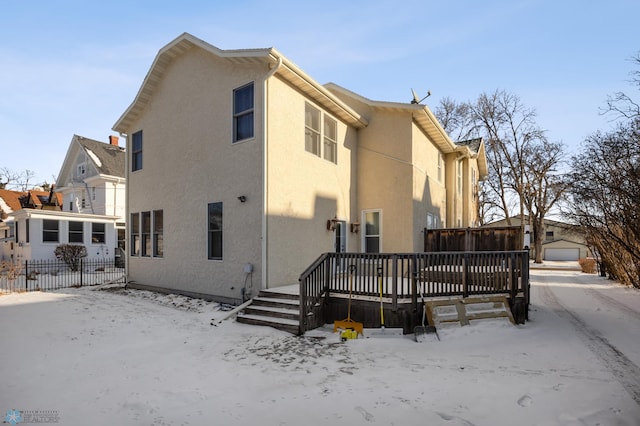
point(87, 208)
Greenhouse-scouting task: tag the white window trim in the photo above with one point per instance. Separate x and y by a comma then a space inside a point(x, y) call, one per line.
point(363, 240)
point(323, 116)
point(234, 115)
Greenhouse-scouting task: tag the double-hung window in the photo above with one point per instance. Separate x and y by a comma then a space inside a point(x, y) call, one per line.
point(136, 151)
point(312, 130)
point(372, 231)
point(330, 140)
point(76, 232)
point(460, 177)
point(97, 233)
point(158, 240)
point(135, 234)
point(215, 231)
point(243, 113)
point(320, 134)
point(50, 230)
point(146, 233)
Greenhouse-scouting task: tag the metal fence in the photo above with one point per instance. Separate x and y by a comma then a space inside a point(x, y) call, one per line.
point(43, 275)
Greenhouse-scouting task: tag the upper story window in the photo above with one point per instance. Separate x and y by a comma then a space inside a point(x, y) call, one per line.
point(80, 170)
point(474, 183)
point(243, 113)
point(440, 166)
point(549, 236)
point(316, 129)
point(312, 130)
point(136, 151)
point(459, 167)
point(330, 140)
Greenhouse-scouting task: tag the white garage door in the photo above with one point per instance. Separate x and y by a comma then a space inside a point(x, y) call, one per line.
point(561, 254)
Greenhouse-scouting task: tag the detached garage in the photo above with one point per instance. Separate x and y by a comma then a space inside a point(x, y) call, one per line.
point(564, 250)
point(561, 254)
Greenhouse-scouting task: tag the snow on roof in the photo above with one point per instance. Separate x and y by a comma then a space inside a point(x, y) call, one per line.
point(94, 157)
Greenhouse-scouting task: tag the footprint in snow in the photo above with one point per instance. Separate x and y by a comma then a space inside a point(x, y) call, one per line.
point(525, 401)
point(457, 420)
point(365, 414)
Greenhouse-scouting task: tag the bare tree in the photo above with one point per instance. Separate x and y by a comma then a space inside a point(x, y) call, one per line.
point(522, 163)
point(605, 195)
point(20, 181)
point(620, 104)
point(543, 188)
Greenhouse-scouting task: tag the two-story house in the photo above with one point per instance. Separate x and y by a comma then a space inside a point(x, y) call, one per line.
point(242, 170)
point(92, 181)
point(86, 208)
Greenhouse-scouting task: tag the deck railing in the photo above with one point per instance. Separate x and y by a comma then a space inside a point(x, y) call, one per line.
point(402, 277)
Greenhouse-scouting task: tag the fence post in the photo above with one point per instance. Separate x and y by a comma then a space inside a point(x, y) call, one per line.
point(525, 282)
point(26, 275)
point(513, 288)
point(81, 272)
point(465, 275)
point(414, 282)
point(394, 271)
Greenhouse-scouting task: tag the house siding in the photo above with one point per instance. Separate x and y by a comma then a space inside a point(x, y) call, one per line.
point(189, 161)
point(385, 162)
point(304, 190)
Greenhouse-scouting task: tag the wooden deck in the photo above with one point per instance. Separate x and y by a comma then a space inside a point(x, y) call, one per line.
point(401, 279)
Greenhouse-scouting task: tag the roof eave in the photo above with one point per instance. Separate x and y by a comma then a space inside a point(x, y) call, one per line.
point(289, 71)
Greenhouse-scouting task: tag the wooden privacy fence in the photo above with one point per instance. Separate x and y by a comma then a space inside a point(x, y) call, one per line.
point(473, 239)
point(403, 277)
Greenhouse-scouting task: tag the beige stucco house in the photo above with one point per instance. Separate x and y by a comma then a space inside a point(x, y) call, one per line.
point(242, 170)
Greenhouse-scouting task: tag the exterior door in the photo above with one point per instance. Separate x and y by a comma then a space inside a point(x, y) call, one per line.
point(340, 236)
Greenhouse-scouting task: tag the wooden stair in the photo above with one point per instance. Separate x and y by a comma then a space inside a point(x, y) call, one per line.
point(273, 309)
point(468, 309)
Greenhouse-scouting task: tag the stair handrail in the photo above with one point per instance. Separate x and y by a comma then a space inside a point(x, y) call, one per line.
point(307, 300)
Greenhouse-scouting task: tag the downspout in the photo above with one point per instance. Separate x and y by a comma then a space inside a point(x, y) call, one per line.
point(127, 238)
point(265, 174)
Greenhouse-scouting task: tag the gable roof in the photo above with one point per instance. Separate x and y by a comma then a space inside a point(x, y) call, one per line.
point(472, 144)
point(12, 201)
point(427, 121)
point(477, 150)
point(9, 202)
point(107, 159)
point(275, 61)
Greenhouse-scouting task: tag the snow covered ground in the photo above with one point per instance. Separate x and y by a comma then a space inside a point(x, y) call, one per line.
point(91, 357)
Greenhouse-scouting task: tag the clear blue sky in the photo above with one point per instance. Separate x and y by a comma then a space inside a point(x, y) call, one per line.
point(73, 67)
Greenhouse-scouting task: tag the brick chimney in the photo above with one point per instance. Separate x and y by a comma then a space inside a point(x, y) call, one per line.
point(113, 140)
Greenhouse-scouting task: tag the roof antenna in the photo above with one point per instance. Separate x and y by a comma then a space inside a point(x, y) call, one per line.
point(417, 100)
